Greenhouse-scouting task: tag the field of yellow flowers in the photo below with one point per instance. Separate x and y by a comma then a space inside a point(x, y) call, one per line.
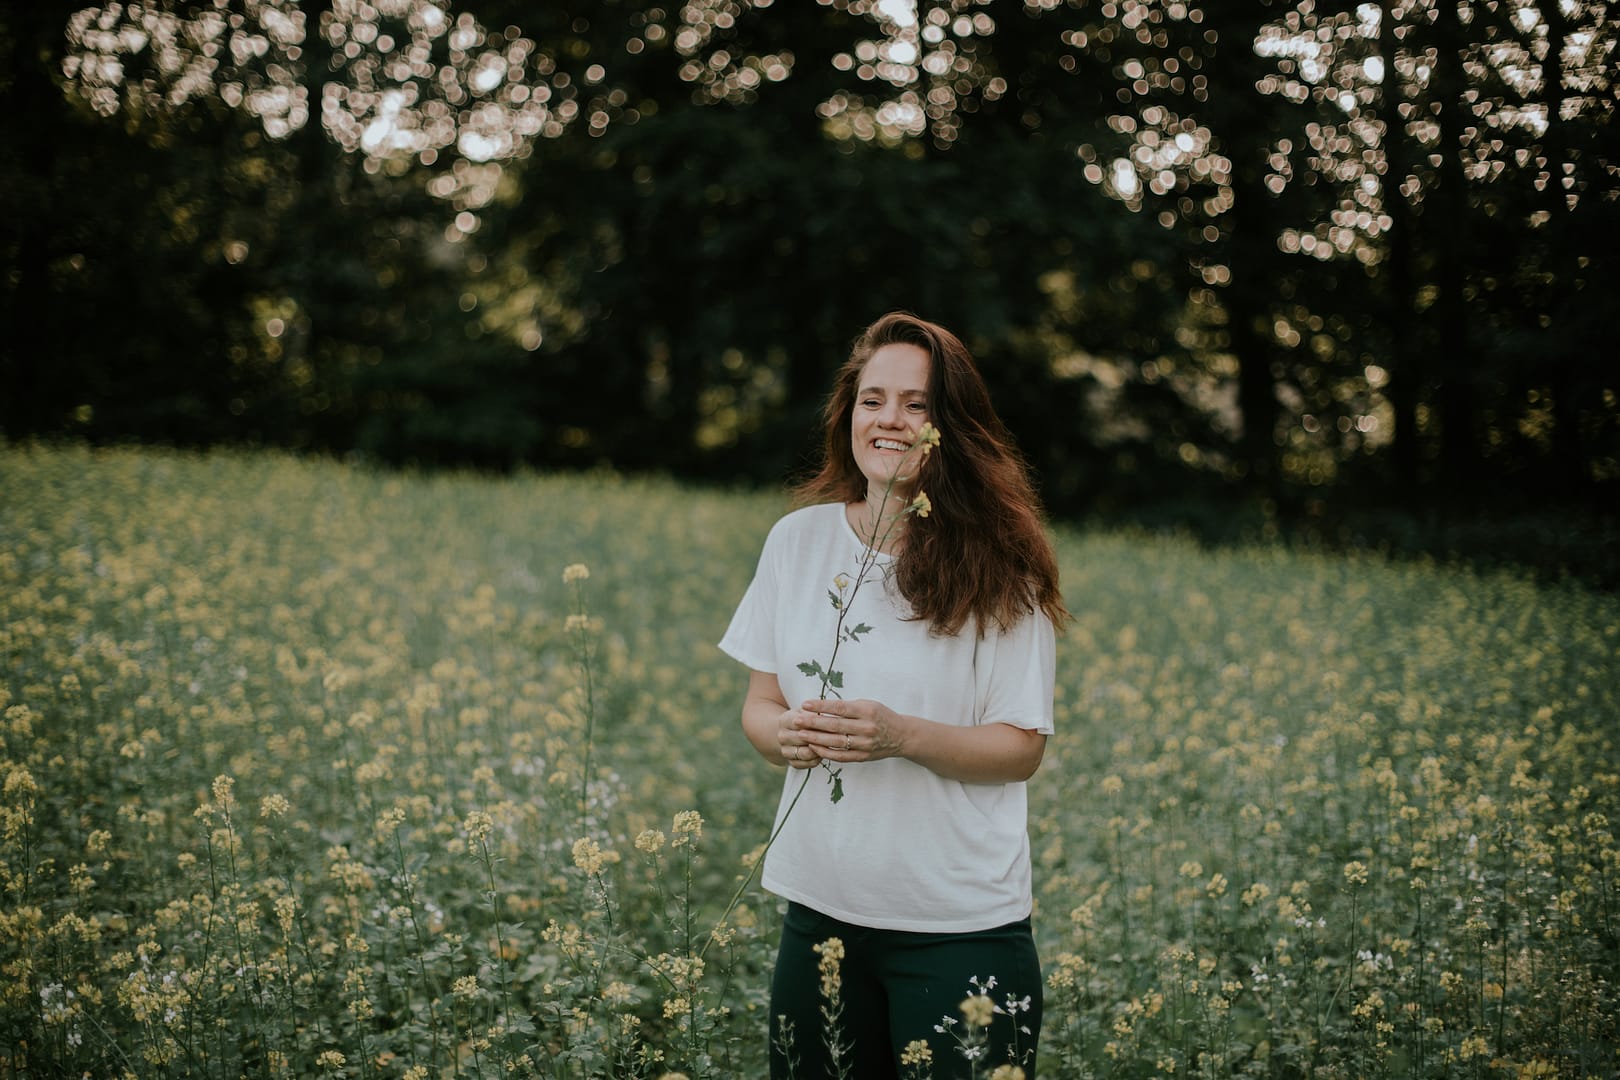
point(311, 770)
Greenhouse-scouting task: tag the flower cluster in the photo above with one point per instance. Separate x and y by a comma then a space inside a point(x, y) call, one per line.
point(831, 952)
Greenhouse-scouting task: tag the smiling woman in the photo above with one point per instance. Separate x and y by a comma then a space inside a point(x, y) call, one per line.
point(986, 530)
point(923, 873)
point(890, 408)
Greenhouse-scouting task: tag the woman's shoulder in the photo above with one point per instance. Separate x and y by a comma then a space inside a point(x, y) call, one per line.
point(817, 524)
point(814, 518)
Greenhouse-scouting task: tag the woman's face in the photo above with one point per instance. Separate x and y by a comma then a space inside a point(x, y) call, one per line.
point(891, 405)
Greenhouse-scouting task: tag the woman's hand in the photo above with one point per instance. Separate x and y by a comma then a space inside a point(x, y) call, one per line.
point(776, 731)
point(793, 739)
point(860, 730)
point(838, 730)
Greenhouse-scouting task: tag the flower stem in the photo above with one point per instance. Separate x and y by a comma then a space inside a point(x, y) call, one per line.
point(736, 896)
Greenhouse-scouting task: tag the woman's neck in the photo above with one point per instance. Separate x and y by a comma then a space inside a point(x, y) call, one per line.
point(879, 519)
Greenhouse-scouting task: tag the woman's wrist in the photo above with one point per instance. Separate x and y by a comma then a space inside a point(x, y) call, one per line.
point(910, 736)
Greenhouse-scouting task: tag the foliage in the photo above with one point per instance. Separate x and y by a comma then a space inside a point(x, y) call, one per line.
point(293, 755)
point(1281, 249)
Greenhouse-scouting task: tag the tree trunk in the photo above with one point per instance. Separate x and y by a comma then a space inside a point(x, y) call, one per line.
point(30, 392)
point(1456, 396)
point(1248, 312)
point(1237, 116)
point(1405, 356)
point(1569, 467)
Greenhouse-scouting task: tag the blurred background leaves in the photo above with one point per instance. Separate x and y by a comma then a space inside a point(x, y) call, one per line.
point(1246, 266)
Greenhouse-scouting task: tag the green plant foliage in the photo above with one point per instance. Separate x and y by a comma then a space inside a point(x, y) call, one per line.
point(309, 769)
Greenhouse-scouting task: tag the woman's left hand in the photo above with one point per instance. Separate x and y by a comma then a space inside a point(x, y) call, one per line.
point(858, 730)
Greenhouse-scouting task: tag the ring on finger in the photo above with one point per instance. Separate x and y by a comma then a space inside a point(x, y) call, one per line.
point(846, 740)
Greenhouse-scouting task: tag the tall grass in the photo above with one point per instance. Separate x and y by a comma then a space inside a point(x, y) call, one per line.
point(306, 770)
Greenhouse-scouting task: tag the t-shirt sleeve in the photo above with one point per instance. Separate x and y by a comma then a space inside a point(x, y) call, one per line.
point(751, 637)
point(1015, 673)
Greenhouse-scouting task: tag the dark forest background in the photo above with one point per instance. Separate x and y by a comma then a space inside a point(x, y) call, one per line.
point(1345, 269)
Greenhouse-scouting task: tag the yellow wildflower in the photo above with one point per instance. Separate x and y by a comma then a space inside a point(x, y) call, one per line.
point(575, 572)
point(831, 952)
point(977, 1009)
point(588, 855)
point(478, 825)
point(688, 827)
point(286, 912)
point(917, 1052)
point(388, 822)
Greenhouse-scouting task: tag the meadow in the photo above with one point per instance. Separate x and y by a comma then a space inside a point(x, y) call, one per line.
point(313, 770)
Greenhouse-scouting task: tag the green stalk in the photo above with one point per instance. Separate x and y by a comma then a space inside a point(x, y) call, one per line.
point(500, 936)
point(583, 651)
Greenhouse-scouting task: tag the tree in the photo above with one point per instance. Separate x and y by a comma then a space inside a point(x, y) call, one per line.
point(1274, 246)
point(1443, 158)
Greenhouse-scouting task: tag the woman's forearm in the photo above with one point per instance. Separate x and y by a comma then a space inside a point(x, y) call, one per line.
point(760, 719)
point(984, 754)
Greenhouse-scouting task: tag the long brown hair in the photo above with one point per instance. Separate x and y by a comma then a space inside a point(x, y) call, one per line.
point(982, 553)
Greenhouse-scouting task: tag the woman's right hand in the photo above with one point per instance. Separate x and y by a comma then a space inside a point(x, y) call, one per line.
point(792, 740)
point(775, 730)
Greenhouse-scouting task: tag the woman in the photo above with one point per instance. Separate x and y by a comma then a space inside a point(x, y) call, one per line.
point(922, 868)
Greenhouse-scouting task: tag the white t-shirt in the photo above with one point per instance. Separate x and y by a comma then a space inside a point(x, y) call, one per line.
point(905, 849)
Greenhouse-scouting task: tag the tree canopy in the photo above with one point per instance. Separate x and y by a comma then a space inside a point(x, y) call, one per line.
point(1280, 248)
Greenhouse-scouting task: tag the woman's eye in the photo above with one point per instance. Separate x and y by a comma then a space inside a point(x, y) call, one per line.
point(917, 406)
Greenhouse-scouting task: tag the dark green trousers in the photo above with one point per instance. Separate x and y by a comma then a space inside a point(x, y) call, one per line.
point(897, 987)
